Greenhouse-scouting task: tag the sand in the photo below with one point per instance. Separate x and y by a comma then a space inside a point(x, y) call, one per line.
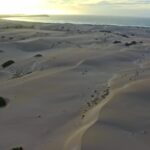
point(74, 87)
point(123, 122)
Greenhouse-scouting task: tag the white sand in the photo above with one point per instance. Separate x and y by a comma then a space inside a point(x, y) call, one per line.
point(66, 99)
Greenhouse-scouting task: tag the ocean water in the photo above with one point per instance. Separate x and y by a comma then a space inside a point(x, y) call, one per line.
point(83, 19)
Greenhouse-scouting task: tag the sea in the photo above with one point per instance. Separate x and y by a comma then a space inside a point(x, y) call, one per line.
point(86, 19)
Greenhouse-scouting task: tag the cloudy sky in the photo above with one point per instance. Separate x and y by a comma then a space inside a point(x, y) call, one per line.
point(90, 7)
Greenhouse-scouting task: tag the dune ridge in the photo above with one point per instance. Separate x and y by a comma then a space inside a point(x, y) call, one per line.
point(75, 140)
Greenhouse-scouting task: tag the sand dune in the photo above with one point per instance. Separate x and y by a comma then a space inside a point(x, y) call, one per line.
point(123, 122)
point(71, 87)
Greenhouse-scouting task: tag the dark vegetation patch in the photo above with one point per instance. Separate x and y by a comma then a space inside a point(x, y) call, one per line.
point(117, 42)
point(62, 28)
point(11, 38)
point(123, 35)
point(3, 102)
point(38, 55)
point(7, 63)
point(131, 43)
point(2, 36)
point(105, 93)
point(17, 148)
point(18, 26)
point(105, 31)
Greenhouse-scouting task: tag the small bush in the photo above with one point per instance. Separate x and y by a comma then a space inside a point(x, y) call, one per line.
point(117, 42)
point(105, 31)
point(131, 43)
point(17, 148)
point(2, 36)
point(7, 63)
point(123, 35)
point(3, 102)
point(11, 38)
point(38, 55)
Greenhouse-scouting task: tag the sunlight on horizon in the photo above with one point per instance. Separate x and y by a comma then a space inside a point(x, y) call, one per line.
point(33, 7)
point(76, 7)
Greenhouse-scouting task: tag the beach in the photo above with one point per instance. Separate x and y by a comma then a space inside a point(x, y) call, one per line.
point(74, 87)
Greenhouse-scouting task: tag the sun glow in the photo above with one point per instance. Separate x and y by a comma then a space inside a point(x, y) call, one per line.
point(18, 6)
point(29, 7)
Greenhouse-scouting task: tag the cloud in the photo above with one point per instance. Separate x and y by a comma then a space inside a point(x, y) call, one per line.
point(118, 8)
point(124, 2)
point(72, 1)
point(102, 2)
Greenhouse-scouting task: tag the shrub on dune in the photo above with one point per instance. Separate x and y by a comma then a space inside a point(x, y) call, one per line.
point(2, 36)
point(17, 148)
point(7, 63)
point(38, 55)
point(131, 43)
point(3, 102)
point(117, 42)
point(11, 38)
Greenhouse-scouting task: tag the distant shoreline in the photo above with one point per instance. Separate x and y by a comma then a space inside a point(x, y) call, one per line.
point(115, 25)
point(82, 20)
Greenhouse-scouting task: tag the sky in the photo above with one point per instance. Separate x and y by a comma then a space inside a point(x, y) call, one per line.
point(140, 8)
